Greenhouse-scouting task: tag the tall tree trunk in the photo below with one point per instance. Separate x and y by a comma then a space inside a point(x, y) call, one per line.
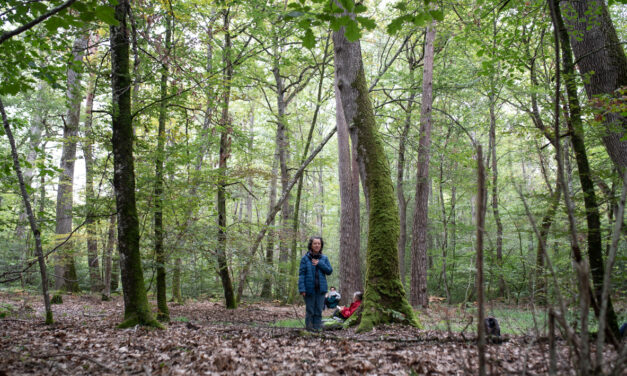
point(163, 313)
point(266, 290)
point(579, 264)
point(445, 221)
point(108, 257)
point(136, 308)
point(95, 282)
point(575, 127)
point(225, 142)
point(481, 200)
point(31, 216)
point(34, 135)
point(34, 139)
point(384, 290)
point(547, 221)
point(350, 268)
point(419, 245)
point(65, 268)
point(400, 171)
point(603, 65)
point(495, 197)
point(177, 296)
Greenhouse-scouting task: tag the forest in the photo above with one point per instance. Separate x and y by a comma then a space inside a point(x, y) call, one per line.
point(165, 164)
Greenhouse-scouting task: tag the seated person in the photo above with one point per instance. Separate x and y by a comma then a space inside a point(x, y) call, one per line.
point(346, 312)
point(332, 299)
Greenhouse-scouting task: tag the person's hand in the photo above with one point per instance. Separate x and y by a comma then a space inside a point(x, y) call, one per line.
point(314, 262)
point(303, 293)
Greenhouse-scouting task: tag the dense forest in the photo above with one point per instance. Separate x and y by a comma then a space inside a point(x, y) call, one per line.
point(465, 154)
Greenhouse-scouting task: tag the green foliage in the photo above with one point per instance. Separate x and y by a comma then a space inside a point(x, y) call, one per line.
point(57, 298)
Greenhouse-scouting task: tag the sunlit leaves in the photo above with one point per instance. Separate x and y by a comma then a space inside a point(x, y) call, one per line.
point(332, 15)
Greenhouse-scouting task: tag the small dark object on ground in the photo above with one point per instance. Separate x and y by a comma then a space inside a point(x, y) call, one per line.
point(623, 330)
point(189, 325)
point(492, 330)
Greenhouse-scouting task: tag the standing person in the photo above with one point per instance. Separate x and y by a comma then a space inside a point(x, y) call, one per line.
point(312, 282)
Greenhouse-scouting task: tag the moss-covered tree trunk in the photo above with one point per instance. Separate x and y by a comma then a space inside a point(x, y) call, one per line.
point(163, 313)
point(384, 298)
point(225, 142)
point(136, 308)
point(65, 268)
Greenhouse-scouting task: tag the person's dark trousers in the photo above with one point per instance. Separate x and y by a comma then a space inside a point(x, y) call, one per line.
point(314, 304)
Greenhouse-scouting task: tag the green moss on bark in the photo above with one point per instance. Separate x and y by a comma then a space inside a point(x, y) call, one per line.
point(49, 319)
point(384, 299)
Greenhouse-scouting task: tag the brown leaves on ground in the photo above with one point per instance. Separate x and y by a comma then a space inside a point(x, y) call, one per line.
point(205, 338)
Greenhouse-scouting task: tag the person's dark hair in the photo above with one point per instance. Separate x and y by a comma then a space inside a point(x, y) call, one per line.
point(359, 295)
point(311, 241)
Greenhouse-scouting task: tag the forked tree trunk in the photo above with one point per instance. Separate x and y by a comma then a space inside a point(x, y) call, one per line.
point(419, 244)
point(225, 142)
point(136, 308)
point(384, 291)
point(65, 268)
point(163, 313)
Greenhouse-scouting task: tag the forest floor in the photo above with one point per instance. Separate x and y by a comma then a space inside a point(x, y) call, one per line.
point(205, 338)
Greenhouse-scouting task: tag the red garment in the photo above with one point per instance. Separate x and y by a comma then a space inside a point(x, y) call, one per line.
point(348, 311)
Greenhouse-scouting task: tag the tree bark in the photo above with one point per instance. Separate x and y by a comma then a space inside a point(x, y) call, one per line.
point(163, 313)
point(575, 128)
point(481, 197)
point(31, 216)
point(266, 290)
point(177, 296)
point(495, 197)
point(400, 167)
point(106, 292)
point(579, 264)
point(65, 268)
point(95, 282)
point(225, 142)
point(350, 270)
point(136, 308)
point(418, 291)
point(384, 292)
point(603, 65)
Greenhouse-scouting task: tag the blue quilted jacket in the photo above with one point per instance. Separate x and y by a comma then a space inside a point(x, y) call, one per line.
point(306, 274)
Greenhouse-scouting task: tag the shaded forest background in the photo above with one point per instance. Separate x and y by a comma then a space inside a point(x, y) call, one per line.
point(228, 101)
